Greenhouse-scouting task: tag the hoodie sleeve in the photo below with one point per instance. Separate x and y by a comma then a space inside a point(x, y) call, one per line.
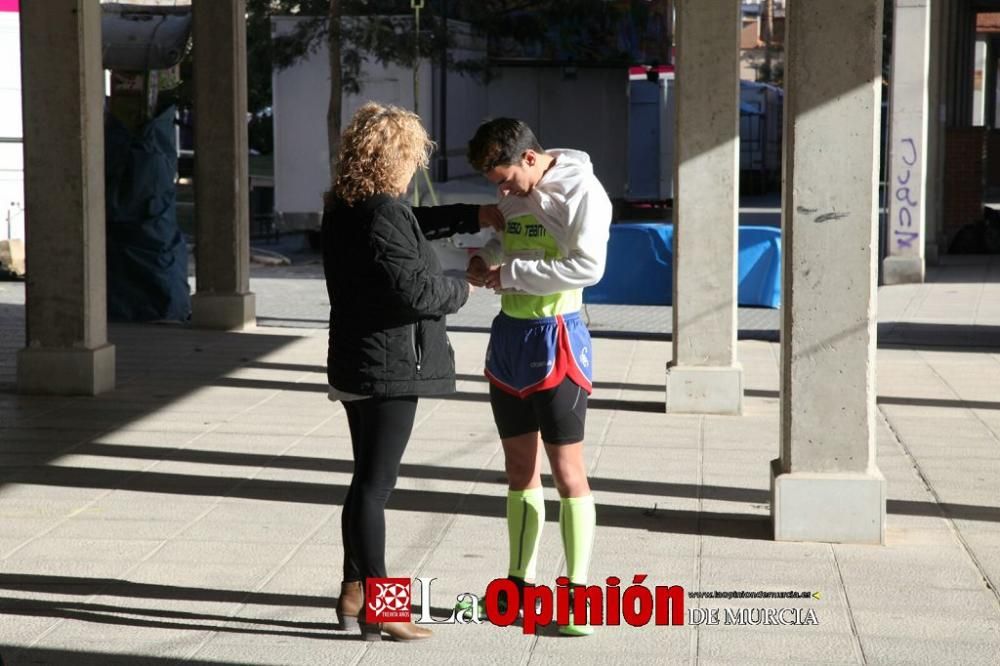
point(585, 220)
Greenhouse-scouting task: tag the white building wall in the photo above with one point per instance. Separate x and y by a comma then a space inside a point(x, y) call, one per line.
point(586, 109)
point(979, 83)
point(301, 94)
point(11, 154)
point(466, 101)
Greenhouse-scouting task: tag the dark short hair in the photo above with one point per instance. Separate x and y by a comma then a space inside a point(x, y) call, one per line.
point(501, 142)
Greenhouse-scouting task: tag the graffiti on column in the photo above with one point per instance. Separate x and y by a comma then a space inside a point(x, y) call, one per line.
point(904, 233)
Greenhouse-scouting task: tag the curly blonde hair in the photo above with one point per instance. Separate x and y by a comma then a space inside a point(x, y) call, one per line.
point(382, 145)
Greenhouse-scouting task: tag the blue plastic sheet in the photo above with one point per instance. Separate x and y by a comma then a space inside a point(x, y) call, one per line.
point(147, 254)
point(640, 266)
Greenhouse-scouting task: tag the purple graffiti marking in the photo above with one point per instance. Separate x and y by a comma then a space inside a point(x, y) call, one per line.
point(905, 238)
point(904, 218)
point(913, 149)
point(903, 194)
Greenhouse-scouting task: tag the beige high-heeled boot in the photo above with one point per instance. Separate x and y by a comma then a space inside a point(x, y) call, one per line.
point(399, 631)
point(350, 604)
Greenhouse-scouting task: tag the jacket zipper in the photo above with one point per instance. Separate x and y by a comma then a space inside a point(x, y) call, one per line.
point(413, 343)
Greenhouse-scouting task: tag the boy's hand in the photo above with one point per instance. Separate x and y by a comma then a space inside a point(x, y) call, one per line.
point(490, 217)
point(492, 278)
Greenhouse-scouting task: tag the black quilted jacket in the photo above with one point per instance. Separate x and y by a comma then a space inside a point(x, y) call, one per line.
point(388, 297)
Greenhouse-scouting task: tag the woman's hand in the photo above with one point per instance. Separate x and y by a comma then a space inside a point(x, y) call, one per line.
point(481, 275)
point(490, 217)
point(476, 272)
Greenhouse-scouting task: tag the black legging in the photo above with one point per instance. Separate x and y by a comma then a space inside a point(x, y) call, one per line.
point(380, 429)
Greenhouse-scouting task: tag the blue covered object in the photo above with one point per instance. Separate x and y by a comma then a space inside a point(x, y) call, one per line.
point(147, 254)
point(640, 266)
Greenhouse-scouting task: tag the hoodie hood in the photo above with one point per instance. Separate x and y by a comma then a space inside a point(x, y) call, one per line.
point(563, 182)
point(575, 210)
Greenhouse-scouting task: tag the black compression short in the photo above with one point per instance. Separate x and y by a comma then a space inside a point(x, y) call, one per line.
point(558, 413)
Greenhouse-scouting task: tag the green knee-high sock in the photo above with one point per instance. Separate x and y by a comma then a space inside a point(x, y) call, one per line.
point(525, 518)
point(577, 520)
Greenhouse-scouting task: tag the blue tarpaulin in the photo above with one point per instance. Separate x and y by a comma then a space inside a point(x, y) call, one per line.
point(640, 266)
point(147, 255)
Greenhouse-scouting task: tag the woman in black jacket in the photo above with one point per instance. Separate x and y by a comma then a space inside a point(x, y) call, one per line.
point(388, 345)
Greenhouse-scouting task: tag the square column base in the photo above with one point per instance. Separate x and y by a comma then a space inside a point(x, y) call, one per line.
point(903, 270)
point(829, 507)
point(705, 390)
point(66, 371)
point(225, 312)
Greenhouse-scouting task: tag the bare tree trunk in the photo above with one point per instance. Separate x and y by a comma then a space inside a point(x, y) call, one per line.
point(767, 28)
point(333, 110)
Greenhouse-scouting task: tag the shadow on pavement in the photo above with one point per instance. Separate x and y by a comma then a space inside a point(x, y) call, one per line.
point(163, 619)
point(651, 406)
point(939, 337)
point(651, 518)
point(766, 335)
point(899, 400)
point(84, 658)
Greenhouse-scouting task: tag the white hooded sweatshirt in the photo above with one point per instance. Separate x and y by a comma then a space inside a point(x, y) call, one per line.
point(575, 210)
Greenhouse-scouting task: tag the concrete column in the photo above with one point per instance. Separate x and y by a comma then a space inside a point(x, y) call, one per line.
point(826, 486)
point(62, 109)
point(908, 165)
point(933, 191)
point(967, 61)
point(221, 179)
point(704, 375)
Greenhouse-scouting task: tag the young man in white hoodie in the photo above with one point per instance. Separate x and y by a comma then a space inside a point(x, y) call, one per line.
point(539, 360)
